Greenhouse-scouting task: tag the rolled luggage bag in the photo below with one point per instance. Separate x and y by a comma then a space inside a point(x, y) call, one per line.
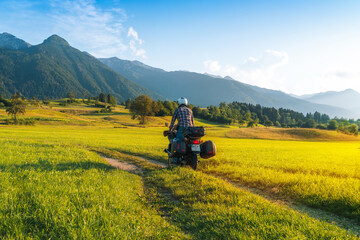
point(207, 149)
point(194, 132)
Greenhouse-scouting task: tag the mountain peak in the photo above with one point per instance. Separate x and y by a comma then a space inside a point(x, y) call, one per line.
point(9, 41)
point(55, 39)
point(350, 90)
point(228, 78)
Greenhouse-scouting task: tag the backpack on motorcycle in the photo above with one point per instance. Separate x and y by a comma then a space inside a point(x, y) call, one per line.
point(207, 149)
point(178, 148)
point(194, 132)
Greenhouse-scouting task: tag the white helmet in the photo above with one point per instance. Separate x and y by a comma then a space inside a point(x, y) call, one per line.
point(182, 101)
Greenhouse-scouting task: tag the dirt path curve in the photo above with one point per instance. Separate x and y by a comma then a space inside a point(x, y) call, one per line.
point(160, 164)
point(122, 165)
point(322, 215)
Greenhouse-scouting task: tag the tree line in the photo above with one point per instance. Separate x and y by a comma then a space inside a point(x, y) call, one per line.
point(226, 113)
point(243, 113)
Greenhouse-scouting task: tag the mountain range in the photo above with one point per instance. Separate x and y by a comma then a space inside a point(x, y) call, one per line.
point(205, 89)
point(54, 68)
point(348, 99)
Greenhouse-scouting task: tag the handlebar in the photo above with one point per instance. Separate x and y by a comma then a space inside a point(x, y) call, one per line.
point(166, 133)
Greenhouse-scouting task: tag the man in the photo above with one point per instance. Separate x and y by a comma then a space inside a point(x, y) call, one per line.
point(185, 118)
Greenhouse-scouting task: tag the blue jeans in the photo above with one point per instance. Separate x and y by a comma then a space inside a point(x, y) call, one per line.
point(179, 137)
point(179, 134)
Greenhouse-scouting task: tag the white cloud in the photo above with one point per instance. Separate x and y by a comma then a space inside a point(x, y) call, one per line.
point(134, 34)
point(85, 25)
point(95, 30)
point(258, 71)
point(136, 43)
point(212, 66)
point(251, 59)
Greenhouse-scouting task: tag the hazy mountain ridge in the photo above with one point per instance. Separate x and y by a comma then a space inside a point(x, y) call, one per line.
point(348, 99)
point(54, 68)
point(205, 89)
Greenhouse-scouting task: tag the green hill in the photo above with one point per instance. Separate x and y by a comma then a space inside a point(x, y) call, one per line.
point(54, 68)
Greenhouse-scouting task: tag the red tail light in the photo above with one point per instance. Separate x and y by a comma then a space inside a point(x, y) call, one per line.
point(210, 151)
point(196, 142)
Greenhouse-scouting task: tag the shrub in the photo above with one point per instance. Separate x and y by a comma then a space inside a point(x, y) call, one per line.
point(333, 125)
point(321, 126)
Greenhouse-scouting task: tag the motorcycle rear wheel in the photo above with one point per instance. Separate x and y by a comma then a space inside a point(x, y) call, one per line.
point(194, 161)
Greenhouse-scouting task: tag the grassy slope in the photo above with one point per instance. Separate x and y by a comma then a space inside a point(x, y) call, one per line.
point(209, 208)
point(290, 134)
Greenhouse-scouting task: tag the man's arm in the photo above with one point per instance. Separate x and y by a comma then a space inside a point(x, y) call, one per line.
point(192, 118)
point(173, 120)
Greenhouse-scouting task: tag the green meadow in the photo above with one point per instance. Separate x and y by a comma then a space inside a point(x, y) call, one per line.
point(54, 183)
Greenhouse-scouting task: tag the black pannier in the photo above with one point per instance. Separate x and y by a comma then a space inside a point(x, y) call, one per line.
point(207, 149)
point(194, 132)
point(178, 148)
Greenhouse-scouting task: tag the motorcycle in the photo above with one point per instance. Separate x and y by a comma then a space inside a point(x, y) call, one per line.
point(186, 152)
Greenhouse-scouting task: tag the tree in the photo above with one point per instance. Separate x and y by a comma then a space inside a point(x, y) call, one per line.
point(111, 100)
point(128, 103)
point(310, 123)
point(71, 96)
point(268, 123)
point(17, 106)
point(4, 102)
point(247, 116)
point(333, 125)
point(251, 123)
point(102, 97)
point(353, 129)
point(141, 108)
point(196, 111)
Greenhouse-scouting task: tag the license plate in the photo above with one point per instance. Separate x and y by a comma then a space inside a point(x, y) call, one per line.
point(195, 148)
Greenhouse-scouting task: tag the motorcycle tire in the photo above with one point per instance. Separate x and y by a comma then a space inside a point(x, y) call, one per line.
point(170, 163)
point(194, 161)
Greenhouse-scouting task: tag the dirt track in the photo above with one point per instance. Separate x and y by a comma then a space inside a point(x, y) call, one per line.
point(342, 222)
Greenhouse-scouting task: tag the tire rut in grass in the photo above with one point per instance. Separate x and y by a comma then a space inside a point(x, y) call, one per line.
point(342, 222)
point(160, 199)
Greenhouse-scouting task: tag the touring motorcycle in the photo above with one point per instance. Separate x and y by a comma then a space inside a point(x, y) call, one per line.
point(185, 152)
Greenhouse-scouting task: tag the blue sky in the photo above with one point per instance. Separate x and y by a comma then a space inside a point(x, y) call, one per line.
point(294, 46)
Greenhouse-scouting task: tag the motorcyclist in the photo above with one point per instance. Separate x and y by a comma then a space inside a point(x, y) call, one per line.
point(185, 118)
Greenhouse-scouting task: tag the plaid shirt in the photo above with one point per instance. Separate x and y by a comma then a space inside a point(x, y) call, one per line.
point(184, 116)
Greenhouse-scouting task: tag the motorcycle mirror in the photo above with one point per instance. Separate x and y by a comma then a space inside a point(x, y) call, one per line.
point(166, 124)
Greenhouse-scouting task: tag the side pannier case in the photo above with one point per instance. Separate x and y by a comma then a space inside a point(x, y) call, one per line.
point(178, 148)
point(207, 149)
point(194, 132)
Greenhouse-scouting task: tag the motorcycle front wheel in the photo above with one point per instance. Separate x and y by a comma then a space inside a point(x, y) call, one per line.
point(170, 162)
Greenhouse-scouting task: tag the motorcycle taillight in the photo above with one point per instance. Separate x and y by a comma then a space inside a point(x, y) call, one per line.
point(196, 142)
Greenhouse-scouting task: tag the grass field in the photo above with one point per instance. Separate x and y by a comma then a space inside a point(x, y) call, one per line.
point(53, 183)
point(290, 134)
point(52, 190)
